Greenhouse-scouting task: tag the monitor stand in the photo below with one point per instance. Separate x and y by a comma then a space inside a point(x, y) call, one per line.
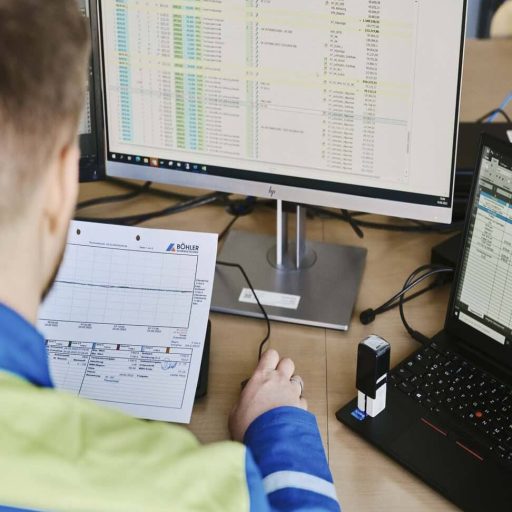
point(308, 283)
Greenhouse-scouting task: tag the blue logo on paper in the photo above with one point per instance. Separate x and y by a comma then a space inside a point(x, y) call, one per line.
point(172, 248)
point(358, 414)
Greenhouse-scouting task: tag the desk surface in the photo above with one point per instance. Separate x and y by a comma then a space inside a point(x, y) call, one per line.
point(487, 76)
point(365, 479)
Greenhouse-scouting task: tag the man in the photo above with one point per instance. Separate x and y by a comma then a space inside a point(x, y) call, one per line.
point(61, 453)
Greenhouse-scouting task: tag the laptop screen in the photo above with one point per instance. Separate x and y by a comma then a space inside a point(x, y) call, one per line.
point(483, 297)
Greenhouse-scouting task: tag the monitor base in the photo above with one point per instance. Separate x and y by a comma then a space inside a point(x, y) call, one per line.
point(321, 294)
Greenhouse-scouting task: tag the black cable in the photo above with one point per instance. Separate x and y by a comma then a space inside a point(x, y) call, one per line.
point(227, 229)
point(433, 286)
point(164, 194)
point(265, 315)
point(353, 223)
point(238, 208)
point(368, 316)
point(115, 199)
point(390, 302)
point(133, 220)
point(491, 113)
point(241, 207)
point(416, 335)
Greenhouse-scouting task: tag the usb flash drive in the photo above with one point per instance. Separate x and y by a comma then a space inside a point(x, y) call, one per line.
point(373, 357)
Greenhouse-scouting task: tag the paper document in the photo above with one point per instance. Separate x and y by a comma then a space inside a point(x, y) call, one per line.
point(126, 320)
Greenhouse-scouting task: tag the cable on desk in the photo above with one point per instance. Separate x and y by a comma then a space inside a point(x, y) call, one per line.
point(227, 229)
point(501, 108)
point(416, 335)
point(490, 116)
point(238, 208)
point(164, 194)
point(399, 299)
point(408, 298)
point(264, 312)
point(115, 198)
point(353, 223)
point(369, 315)
point(133, 220)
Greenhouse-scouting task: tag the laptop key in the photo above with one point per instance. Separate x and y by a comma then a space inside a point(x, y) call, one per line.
point(416, 368)
point(418, 396)
point(452, 387)
point(406, 387)
point(394, 378)
point(404, 373)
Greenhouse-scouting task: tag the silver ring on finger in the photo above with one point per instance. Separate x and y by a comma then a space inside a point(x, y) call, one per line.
point(300, 382)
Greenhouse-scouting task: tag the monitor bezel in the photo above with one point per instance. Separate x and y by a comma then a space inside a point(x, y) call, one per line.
point(463, 332)
point(273, 189)
point(98, 171)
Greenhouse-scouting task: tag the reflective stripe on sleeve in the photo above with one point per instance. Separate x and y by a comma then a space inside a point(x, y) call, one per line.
point(298, 480)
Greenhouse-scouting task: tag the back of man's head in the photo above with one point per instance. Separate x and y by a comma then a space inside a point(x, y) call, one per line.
point(43, 53)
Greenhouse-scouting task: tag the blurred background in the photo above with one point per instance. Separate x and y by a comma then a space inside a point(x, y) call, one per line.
point(482, 22)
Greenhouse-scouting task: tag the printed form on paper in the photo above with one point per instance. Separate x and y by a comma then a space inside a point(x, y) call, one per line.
point(126, 319)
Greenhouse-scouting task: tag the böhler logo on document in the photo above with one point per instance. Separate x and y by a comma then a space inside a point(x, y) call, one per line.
point(183, 248)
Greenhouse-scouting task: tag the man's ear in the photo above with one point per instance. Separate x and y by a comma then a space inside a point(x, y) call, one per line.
point(62, 189)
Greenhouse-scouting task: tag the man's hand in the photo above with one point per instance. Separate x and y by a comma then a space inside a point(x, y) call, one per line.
point(270, 386)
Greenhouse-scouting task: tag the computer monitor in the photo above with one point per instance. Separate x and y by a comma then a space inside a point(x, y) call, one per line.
point(349, 104)
point(92, 160)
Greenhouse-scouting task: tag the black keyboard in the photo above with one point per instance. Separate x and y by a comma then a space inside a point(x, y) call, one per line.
point(447, 384)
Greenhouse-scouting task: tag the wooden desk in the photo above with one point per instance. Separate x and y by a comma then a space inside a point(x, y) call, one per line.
point(487, 76)
point(366, 480)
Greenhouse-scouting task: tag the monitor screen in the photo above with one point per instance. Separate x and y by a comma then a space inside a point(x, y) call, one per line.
point(92, 159)
point(343, 103)
point(483, 299)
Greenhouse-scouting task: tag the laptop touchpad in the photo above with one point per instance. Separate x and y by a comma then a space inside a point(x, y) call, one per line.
point(436, 457)
point(453, 470)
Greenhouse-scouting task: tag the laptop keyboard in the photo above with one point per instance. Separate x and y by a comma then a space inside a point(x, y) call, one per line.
point(445, 383)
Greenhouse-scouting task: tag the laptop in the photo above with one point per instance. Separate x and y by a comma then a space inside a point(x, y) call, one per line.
point(449, 405)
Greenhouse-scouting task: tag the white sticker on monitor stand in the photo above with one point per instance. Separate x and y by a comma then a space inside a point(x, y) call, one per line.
point(278, 300)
